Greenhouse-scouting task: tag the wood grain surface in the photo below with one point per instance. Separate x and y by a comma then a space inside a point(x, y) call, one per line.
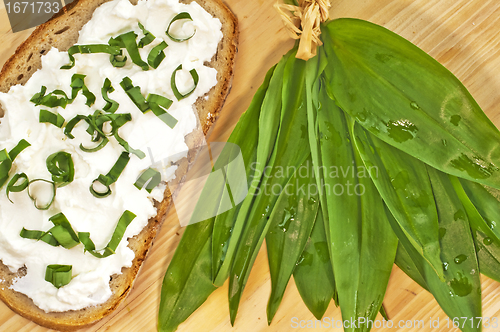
point(464, 35)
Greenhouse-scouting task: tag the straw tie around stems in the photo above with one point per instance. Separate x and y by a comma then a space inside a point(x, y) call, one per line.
point(302, 21)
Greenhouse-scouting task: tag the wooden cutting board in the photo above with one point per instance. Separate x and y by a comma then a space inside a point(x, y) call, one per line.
point(464, 35)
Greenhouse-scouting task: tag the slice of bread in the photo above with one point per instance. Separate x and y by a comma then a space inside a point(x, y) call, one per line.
point(62, 32)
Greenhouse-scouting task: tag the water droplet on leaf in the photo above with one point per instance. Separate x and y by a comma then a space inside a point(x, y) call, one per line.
point(442, 233)
point(306, 259)
point(455, 119)
point(401, 130)
point(288, 217)
point(460, 214)
point(401, 180)
point(361, 116)
point(461, 286)
point(383, 57)
point(322, 251)
point(475, 167)
point(487, 241)
point(460, 259)
point(493, 225)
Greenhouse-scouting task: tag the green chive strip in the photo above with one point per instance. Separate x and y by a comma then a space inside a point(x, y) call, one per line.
point(116, 42)
point(71, 124)
point(6, 159)
point(13, 187)
point(117, 236)
point(63, 232)
point(140, 154)
point(129, 41)
point(173, 85)
point(23, 144)
point(102, 143)
point(154, 102)
point(156, 55)
point(39, 236)
point(58, 275)
point(37, 97)
point(96, 122)
point(60, 165)
point(149, 174)
point(147, 39)
point(77, 84)
point(87, 49)
point(159, 100)
point(117, 120)
point(50, 100)
point(180, 16)
point(134, 93)
point(88, 244)
point(111, 177)
point(93, 129)
point(5, 166)
point(49, 117)
point(120, 229)
point(117, 62)
point(111, 105)
point(33, 198)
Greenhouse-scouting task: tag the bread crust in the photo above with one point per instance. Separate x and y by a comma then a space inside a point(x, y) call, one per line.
point(61, 31)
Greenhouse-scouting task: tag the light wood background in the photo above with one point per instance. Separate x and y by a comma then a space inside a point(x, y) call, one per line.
point(464, 35)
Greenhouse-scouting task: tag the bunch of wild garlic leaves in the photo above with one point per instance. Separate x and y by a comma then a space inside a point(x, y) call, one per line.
point(369, 100)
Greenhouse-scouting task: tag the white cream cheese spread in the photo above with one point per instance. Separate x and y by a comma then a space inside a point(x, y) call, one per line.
point(86, 213)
